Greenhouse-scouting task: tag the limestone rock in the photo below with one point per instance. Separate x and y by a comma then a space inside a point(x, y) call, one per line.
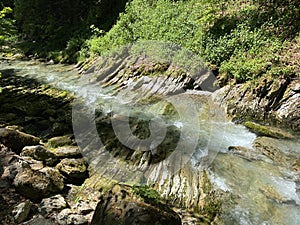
point(68, 152)
point(40, 153)
point(52, 205)
point(267, 100)
point(21, 211)
point(268, 147)
point(16, 140)
point(271, 193)
point(39, 220)
point(34, 164)
point(70, 217)
point(296, 165)
point(121, 208)
point(36, 185)
point(245, 153)
point(57, 180)
point(75, 170)
point(60, 141)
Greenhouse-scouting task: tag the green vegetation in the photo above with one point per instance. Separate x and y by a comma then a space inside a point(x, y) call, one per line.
point(268, 131)
point(56, 29)
point(7, 30)
point(239, 40)
point(146, 193)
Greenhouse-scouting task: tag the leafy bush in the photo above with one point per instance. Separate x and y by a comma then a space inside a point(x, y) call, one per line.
point(241, 40)
point(8, 32)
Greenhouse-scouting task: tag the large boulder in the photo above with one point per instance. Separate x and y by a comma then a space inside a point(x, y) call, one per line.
point(16, 140)
point(36, 185)
point(121, 208)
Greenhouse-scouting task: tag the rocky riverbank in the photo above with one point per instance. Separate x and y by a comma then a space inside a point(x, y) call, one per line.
point(46, 180)
point(266, 100)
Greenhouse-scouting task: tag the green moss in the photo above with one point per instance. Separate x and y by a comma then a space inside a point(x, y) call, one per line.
point(267, 130)
point(147, 194)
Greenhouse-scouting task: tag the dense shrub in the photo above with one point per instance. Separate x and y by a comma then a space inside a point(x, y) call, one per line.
point(7, 28)
point(238, 39)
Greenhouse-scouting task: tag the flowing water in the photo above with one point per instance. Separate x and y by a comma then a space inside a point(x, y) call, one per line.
point(265, 193)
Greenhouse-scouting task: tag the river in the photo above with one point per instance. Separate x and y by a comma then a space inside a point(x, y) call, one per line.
point(265, 192)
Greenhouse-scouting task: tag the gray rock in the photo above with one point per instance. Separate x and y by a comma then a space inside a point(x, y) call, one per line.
point(70, 217)
point(271, 193)
point(57, 180)
point(59, 141)
point(51, 205)
point(267, 100)
point(83, 207)
point(39, 220)
point(21, 211)
point(75, 170)
point(296, 165)
point(36, 185)
point(68, 152)
point(40, 153)
point(16, 140)
point(122, 208)
point(245, 153)
point(269, 148)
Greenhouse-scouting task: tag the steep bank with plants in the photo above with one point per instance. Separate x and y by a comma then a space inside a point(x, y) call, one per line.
point(253, 42)
point(239, 40)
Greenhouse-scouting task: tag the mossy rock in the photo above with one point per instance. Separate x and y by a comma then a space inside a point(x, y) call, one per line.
point(40, 153)
point(75, 170)
point(59, 141)
point(268, 131)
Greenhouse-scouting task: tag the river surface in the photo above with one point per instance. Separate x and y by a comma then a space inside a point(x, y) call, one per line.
point(266, 193)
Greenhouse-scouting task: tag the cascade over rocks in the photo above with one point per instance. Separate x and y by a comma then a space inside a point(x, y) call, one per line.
point(59, 181)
